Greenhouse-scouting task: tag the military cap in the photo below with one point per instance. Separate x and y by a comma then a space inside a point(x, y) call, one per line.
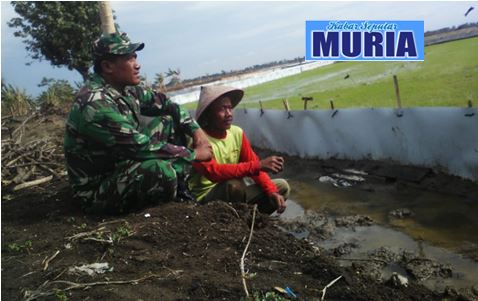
point(115, 43)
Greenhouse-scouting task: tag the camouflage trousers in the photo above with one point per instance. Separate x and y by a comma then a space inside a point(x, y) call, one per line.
point(138, 184)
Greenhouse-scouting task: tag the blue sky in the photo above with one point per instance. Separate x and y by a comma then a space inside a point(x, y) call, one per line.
point(207, 37)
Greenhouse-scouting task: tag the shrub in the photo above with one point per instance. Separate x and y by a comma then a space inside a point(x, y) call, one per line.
point(15, 101)
point(57, 98)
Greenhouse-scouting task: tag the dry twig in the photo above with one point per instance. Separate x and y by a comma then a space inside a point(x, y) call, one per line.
point(232, 208)
point(243, 273)
point(32, 183)
point(327, 286)
point(47, 261)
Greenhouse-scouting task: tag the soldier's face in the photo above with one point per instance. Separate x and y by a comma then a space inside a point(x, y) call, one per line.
point(220, 117)
point(124, 70)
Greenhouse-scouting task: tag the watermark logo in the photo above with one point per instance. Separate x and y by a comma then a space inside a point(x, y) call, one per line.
point(364, 40)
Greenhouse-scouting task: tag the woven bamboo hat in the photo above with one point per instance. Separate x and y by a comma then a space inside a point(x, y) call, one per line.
point(210, 93)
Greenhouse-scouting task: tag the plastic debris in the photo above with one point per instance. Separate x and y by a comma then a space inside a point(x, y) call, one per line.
point(147, 215)
point(91, 269)
point(341, 180)
point(290, 292)
point(353, 178)
point(401, 213)
point(398, 280)
point(356, 172)
point(280, 289)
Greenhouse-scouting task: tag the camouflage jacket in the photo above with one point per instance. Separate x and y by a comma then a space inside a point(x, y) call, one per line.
point(103, 128)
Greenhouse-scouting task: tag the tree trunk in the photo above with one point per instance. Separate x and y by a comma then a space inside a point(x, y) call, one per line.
point(84, 72)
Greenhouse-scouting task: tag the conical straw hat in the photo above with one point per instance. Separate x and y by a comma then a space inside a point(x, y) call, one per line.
point(210, 93)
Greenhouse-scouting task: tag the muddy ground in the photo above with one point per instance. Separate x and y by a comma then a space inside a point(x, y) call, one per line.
point(175, 251)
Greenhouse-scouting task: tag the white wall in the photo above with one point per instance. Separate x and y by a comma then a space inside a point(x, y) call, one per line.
point(432, 137)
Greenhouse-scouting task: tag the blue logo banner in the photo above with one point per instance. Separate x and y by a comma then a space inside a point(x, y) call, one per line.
point(364, 40)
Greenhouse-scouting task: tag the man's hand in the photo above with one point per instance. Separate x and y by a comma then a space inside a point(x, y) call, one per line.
point(273, 164)
point(199, 138)
point(280, 201)
point(203, 152)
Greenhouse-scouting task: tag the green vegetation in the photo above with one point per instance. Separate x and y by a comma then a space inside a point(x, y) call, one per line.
point(60, 295)
point(58, 97)
point(15, 101)
point(59, 31)
point(267, 296)
point(14, 247)
point(121, 232)
point(447, 77)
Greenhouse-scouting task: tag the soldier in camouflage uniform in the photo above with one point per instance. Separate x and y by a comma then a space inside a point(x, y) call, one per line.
point(125, 145)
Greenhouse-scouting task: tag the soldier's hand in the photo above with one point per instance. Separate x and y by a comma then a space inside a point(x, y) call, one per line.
point(200, 138)
point(203, 152)
point(273, 164)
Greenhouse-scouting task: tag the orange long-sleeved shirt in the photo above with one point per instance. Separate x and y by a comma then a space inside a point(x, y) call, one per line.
point(248, 166)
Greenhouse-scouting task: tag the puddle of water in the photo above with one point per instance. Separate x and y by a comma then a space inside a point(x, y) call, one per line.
point(441, 225)
point(443, 220)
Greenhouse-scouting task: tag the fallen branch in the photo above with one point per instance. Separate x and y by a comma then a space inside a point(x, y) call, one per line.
point(108, 241)
point(327, 286)
point(32, 183)
point(85, 234)
point(21, 127)
point(33, 295)
point(243, 273)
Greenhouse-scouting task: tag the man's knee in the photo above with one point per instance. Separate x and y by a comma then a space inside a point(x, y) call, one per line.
point(133, 186)
point(157, 169)
point(236, 191)
point(283, 187)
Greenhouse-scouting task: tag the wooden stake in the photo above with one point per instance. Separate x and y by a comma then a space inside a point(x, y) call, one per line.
point(287, 108)
point(397, 92)
point(306, 99)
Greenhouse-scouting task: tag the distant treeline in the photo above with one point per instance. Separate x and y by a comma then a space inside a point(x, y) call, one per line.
point(453, 33)
point(224, 74)
point(449, 29)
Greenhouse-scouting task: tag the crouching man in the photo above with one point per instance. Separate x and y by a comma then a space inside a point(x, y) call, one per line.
point(125, 144)
point(221, 178)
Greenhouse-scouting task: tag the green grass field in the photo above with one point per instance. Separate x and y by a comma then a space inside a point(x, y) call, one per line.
point(447, 77)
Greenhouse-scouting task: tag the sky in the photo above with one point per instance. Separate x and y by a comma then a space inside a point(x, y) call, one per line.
point(203, 38)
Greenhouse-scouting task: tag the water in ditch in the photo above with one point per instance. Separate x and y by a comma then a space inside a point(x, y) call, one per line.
point(441, 227)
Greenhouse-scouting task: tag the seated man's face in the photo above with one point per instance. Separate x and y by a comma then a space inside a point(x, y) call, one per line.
point(220, 114)
point(124, 70)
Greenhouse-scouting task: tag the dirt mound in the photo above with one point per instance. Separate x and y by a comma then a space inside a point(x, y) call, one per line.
point(175, 251)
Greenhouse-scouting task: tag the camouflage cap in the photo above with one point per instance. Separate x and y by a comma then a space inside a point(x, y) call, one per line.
point(115, 43)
